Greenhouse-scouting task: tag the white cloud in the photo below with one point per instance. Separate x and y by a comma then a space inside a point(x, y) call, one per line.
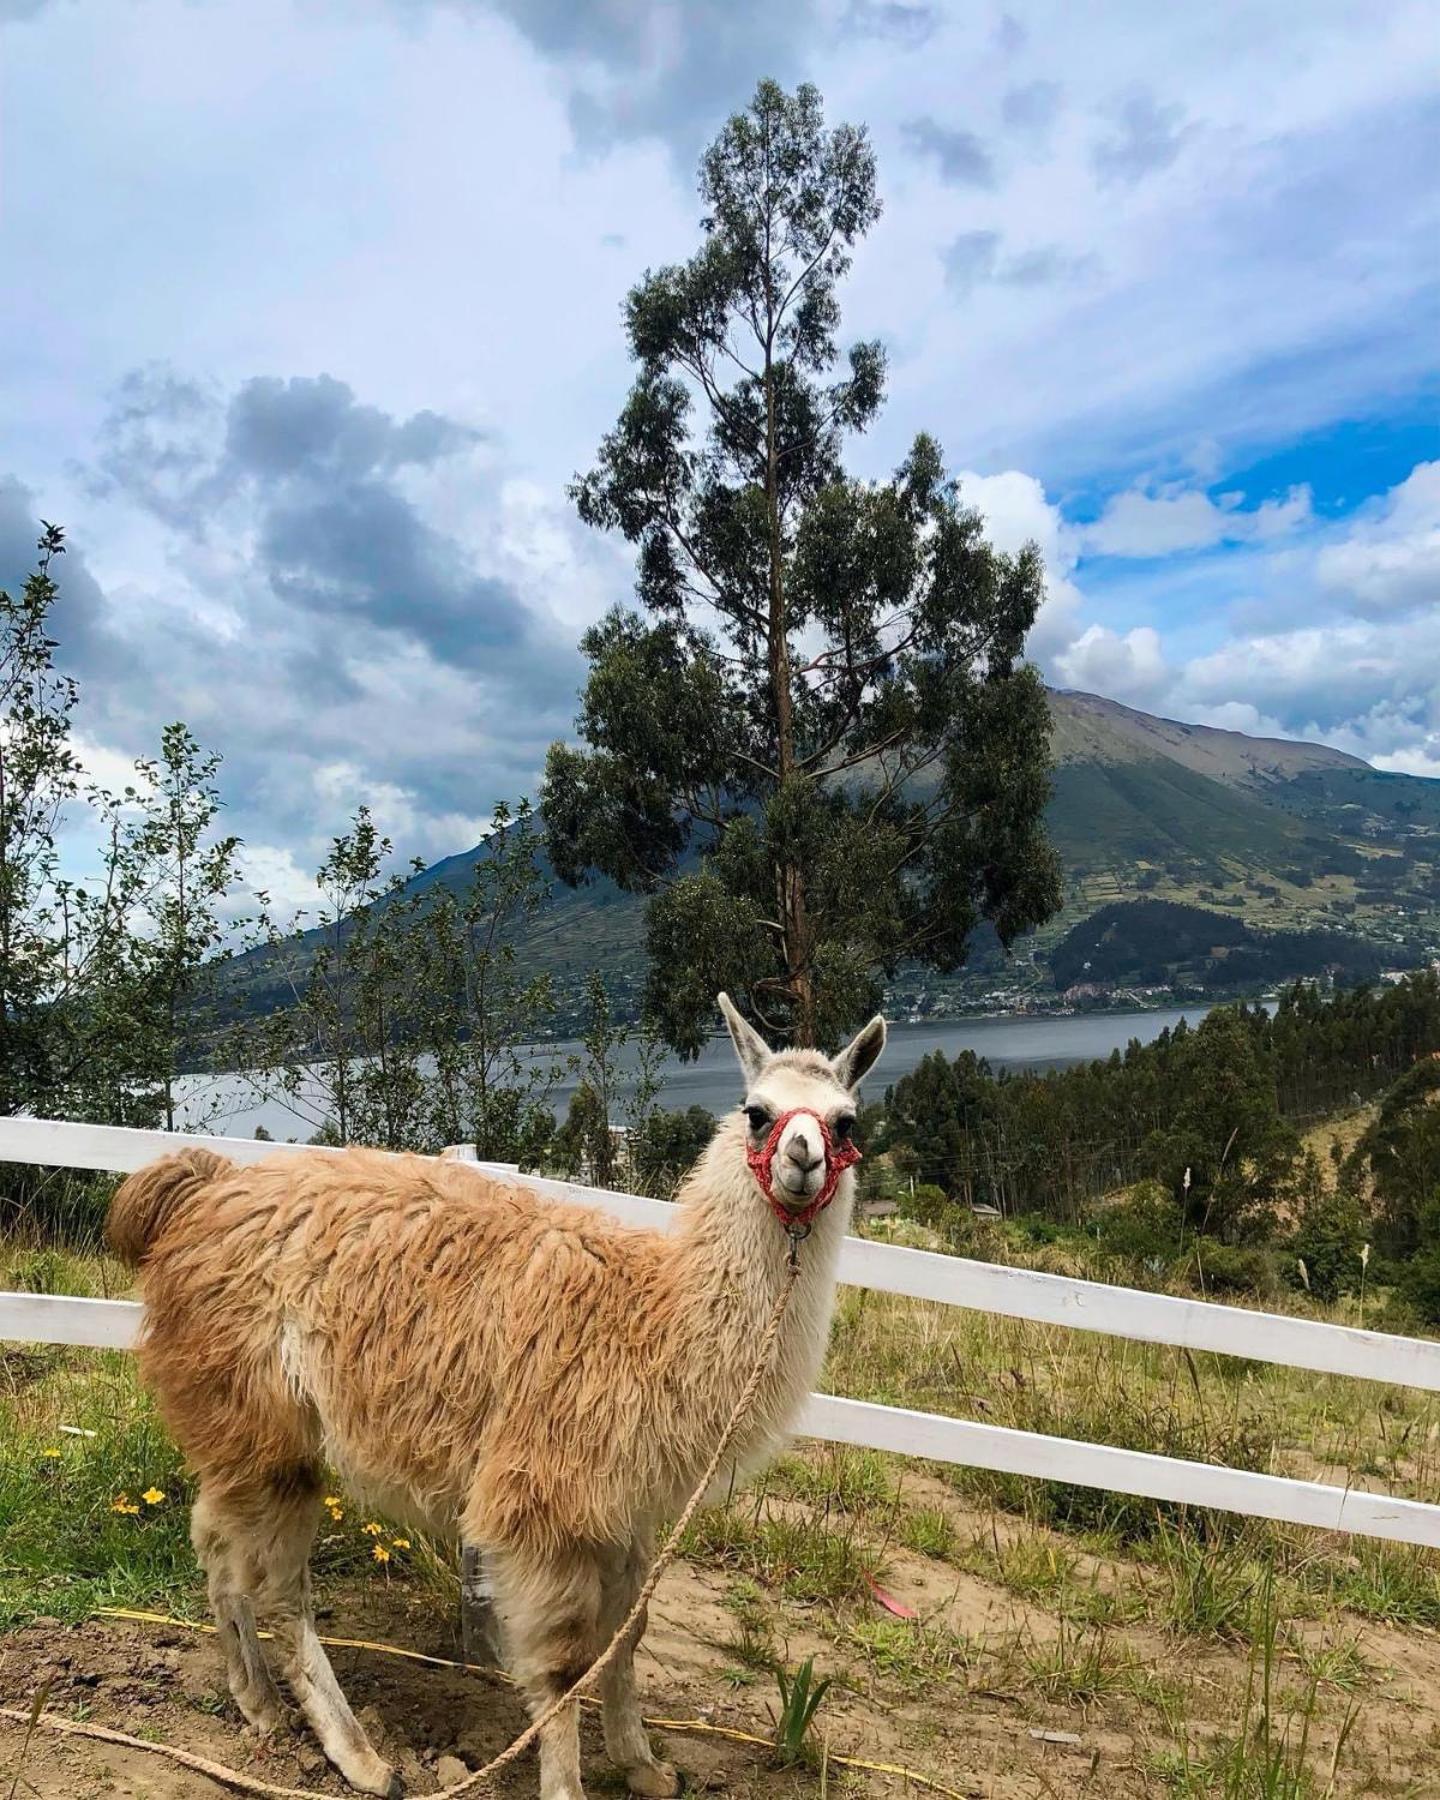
point(1016, 512)
point(1390, 561)
point(1141, 523)
point(1237, 715)
point(276, 871)
point(1131, 667)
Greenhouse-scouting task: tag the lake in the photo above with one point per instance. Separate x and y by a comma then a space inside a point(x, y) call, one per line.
point(227, 1103)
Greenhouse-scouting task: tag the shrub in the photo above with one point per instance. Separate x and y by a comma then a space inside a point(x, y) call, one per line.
point(1328, 1240)
point(1147, 1224)
point(1233, 1269)
point(927, 1205)
point(1420, 1284)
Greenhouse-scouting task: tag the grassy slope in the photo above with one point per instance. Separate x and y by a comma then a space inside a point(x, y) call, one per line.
point(1041, 1607)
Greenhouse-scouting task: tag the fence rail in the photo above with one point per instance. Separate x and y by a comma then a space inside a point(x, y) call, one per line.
point(955, 1281)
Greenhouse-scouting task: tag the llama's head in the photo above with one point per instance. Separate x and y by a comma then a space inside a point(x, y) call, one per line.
point(808, 1084)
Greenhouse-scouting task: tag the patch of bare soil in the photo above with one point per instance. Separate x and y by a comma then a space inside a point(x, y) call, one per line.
point(167, 1684)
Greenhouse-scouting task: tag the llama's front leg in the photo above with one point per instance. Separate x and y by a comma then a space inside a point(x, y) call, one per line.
point(626, 1740)
point(550, 1615)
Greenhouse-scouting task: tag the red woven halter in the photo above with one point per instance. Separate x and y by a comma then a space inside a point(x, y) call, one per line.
point(836, 1162)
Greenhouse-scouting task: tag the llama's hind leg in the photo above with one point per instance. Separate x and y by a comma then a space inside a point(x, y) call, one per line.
point(626, 1740)
point(285, 1599)
point(550, 1616)
point(270, 1527)
point(228, 1576)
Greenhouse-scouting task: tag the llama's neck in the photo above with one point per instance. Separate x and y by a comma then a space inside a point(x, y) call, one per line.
point(733, 1252)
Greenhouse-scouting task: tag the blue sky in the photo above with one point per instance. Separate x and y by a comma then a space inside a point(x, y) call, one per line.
point(311, 308)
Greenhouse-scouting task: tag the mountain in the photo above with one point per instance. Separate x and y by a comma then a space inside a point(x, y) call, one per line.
point(1139, 944)
point(1281, 836)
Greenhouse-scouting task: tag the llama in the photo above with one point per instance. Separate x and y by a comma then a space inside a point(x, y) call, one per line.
point(479, 1361)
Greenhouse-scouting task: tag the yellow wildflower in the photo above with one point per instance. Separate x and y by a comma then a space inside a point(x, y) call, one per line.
point(152, 1496)
point(51, 1450)
point(332, 1500)
point(122, 1503)
point(400, 1543)
point(373, 1530)
point(380, 1553)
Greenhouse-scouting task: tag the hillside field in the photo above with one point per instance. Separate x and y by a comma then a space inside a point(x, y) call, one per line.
point(1056, 1641)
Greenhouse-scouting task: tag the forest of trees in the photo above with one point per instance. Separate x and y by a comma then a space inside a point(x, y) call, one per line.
point(1197, 1135)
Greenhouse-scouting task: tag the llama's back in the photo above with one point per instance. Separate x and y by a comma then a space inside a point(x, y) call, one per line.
point(411, 1320)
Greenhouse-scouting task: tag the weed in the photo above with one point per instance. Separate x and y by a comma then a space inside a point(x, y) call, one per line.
point(1079, 1666)
point(839, 1479)
point(1211, 1587)
point(800, 1698)
point(928, 1532)
point(913, 1656)
point(1269, 1758)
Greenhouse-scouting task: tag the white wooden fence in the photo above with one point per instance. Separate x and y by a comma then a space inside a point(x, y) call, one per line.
point(955, 1281)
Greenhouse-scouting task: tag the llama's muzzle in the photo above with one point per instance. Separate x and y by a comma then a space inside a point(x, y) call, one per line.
point(789, 1197)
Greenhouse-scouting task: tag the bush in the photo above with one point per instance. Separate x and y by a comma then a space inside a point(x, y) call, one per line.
point(1328, 1240)
point(1035, 1228)
point(1420, 1284)
point(927, 1205)
point(1233, 1269)
point(1146, 1225)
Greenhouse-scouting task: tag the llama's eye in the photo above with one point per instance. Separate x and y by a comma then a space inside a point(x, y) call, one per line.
point(844, 1126)
point(758, 1117)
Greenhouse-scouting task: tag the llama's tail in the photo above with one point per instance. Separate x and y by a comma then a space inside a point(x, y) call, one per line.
point(146, 1203)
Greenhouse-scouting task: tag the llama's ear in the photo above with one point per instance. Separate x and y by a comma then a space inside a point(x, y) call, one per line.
point(750, 1047)
point(861, 1054)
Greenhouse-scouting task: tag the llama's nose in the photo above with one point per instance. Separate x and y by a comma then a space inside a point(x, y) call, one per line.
point(799, 1151)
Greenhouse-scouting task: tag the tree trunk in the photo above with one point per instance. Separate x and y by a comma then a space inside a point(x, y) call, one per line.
point(793, 915)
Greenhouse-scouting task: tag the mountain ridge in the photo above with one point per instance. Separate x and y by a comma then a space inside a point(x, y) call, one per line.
point(1288, 835)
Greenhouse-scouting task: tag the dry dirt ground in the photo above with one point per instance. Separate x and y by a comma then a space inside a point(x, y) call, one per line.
point(982, 1727)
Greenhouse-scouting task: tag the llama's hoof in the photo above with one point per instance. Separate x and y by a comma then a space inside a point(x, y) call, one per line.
point(656, 1781)
point(269, 1722)
point(385, 1782)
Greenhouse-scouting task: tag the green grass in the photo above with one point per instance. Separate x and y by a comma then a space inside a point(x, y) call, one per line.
point(795, 1557)
point(912, 1657)
point(76, 1530)
point(928, 1532)
point(1269, 1757)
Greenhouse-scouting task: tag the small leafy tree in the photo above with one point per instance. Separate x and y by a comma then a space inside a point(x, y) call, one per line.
point(401, 1017)
point(1225, 1151)
point(97, 973)
point(587, 1139)
point(484, 1019)
point(665, 1147)
point(342, 1052)
point(39, 774)
point(1330, 1233)
point(818, 746)
point(189, 871)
